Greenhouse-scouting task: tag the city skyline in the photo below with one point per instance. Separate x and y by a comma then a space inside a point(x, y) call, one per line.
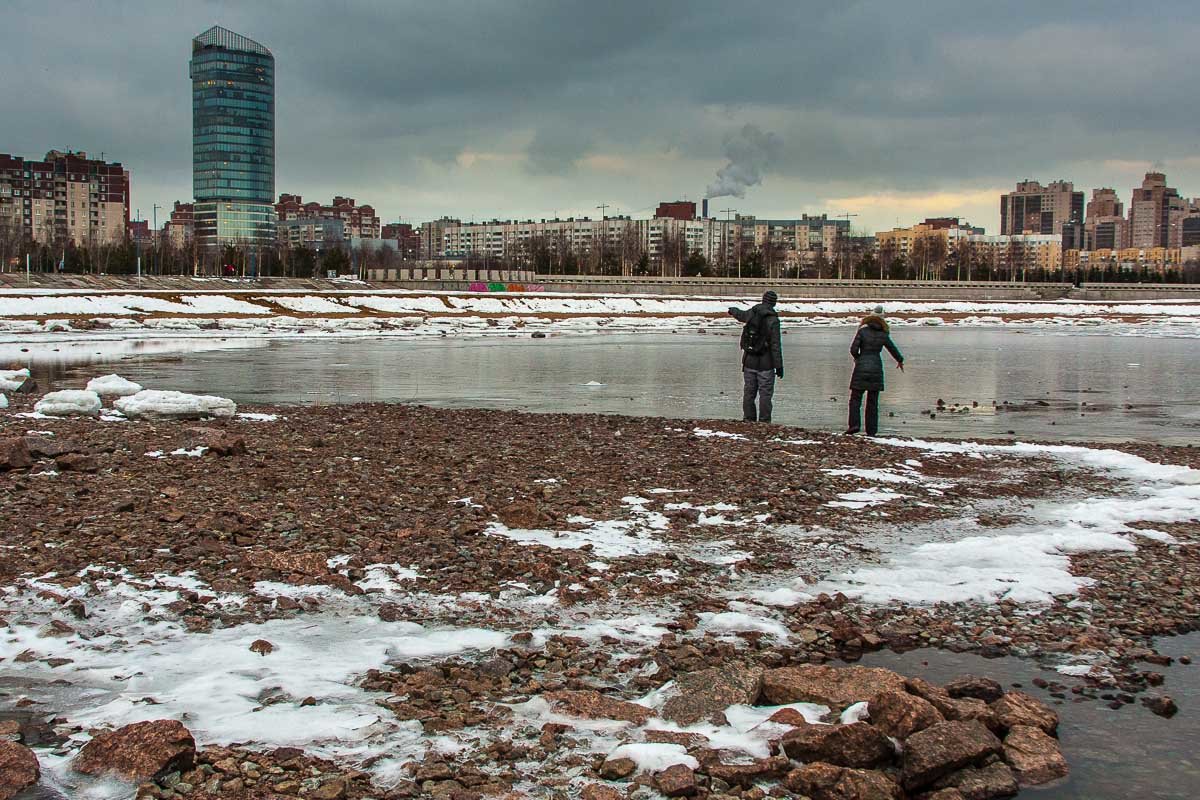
point(562, 109)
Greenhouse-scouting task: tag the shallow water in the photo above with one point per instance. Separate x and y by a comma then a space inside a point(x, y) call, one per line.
point(1066, 385)
point(1114, 755)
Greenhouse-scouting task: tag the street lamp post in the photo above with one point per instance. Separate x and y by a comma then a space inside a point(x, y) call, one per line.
point(154, 236)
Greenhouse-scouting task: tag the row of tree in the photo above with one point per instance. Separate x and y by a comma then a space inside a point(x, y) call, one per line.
point(929, 259)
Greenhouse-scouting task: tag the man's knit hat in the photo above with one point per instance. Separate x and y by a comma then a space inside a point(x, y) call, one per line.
point(770, 297)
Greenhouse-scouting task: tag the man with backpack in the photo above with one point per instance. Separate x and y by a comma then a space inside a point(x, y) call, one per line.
point(762, 356)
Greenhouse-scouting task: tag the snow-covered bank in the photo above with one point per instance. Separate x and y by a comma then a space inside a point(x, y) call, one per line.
point(428, 313)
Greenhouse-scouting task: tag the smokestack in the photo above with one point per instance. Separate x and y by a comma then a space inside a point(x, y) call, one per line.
point(704, 206)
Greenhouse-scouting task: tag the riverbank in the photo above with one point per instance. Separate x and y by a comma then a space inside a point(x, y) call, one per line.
point(69, 314)
point(398, 595)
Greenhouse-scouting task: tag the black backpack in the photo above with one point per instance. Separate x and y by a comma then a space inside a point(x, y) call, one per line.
point(754, 335)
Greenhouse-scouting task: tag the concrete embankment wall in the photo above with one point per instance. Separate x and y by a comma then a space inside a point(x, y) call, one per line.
point(825, 290)
point(1135, 292)
point(495, 281)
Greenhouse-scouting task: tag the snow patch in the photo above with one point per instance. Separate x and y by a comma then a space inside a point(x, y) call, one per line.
point(156, 404)
point(69, 403)
point(113, 386)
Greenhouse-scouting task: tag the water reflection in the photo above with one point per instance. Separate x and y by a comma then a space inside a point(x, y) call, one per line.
point(1060, 386)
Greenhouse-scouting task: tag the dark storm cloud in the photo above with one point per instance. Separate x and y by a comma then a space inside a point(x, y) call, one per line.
point(382, 100)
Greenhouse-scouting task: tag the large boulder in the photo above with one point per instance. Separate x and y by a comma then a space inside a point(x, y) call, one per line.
point(14, 454)
point(829, 782)
point(968, 708)
point(593, 705)
point(936, 696)
point(900, 714)
point(69, 403)
point(706, 694)
point(1034, 756)
point(854, 745)
point(139, 752)
point(18, 769)
point(836, 687)
point(1018, 708)
point(155, 404)
point(944, 748)
point(677, 780)
point(985, 783)
point(984, 689)
point(741, 774)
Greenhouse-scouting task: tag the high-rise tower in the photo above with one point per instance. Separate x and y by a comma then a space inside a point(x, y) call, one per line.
point(233, 142)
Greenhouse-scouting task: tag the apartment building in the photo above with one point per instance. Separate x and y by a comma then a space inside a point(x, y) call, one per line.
point(315, 233)
point(1151, 211)
point(1016, 253)
point(1033, 208)
point(802, 241)
point(179, 230)
point(433, 237)
point(359, 222)
point(899, 241)
point(408, 239)
point(65, 197)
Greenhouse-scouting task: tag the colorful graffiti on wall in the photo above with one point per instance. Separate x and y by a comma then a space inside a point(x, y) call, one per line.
point(480, 286)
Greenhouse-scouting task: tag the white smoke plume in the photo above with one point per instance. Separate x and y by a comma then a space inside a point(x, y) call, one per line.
point(750, 152)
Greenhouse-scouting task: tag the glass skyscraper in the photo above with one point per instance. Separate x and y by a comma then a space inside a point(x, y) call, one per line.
point(233, 141)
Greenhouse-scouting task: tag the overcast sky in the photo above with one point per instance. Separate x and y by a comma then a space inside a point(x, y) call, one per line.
point(891, 109)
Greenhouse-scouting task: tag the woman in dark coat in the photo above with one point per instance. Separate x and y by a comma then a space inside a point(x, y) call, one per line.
point(872, 338)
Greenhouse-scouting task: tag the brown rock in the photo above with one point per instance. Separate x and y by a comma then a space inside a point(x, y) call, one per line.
point(936, 696)
point(310, 564)
point(677, 781)
point(330, 790)
point(1034, 756)
point(789, 716)
point(521, 514)
point(10, 729)
point(77, 462)
point(944, 748)
point(854, 745)
point(598, 791)
point(827, 782)
point(1162, 705)
point(836, 687)
point(945, 794)
point(984, 689)
point(46, 447)
point(984, 783)
point(18, 768)
point(227, 445)
point(748, 774)
point(14, 454)
point(1018, 708)
point(138, 752)
point(593, 705)
point(262, 647)
point(969, 708)
point(704, 695)
point(614, 769)
point(900, 714)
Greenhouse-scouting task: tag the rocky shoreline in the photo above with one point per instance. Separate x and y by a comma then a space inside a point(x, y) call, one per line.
point(523, 596)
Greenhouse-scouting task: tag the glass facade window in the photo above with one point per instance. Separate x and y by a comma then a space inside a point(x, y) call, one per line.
point(233, 139)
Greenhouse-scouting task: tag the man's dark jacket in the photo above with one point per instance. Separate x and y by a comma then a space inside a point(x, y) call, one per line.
point(772, 358)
